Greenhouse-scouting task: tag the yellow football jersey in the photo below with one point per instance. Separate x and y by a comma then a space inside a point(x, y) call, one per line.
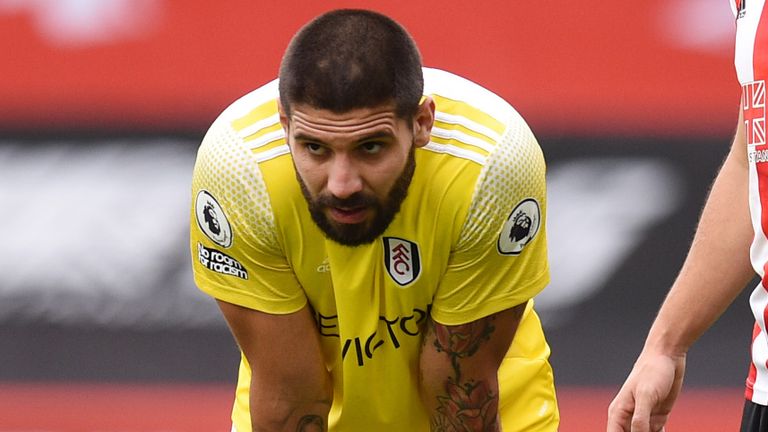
point(468, 241)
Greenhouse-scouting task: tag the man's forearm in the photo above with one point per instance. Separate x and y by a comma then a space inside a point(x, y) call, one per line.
point(459, 371)
point(464, 401)
point(270, 414)
point(717, 267)
point(290, 387)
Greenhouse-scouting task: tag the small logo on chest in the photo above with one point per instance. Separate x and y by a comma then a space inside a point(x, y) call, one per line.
point(402, 260)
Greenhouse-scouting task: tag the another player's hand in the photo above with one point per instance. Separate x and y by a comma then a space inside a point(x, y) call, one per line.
point(646, 398)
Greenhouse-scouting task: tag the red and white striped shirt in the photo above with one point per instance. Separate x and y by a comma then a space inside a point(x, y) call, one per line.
point(751, 63)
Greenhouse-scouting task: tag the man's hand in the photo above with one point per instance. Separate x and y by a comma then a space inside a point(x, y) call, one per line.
point(645, 400)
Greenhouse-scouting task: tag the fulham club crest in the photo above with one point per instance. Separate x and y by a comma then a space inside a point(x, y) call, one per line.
point(402, 260)
point(520, 228)
point(211, 219)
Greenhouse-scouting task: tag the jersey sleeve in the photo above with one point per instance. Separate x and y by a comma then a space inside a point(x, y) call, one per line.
point(500, 257)
point(236, 255)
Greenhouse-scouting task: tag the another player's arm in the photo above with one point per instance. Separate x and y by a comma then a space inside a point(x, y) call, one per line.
point(291, 389)
point(716, 270)
point(458, 371)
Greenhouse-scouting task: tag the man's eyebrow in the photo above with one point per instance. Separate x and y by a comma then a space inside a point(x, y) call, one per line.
point(376, 135)
point(304, 137)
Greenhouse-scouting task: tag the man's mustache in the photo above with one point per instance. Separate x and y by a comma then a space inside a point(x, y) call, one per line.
point(355, 200)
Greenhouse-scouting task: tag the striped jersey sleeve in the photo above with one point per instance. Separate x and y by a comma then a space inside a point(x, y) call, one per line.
point(236, 253)
point(500, 257)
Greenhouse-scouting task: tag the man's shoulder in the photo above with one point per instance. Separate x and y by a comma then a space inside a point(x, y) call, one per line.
point(255, 105)
point(449, 86)
point(471, 122)
point(229, 159)
point(470, 115)
point(248, 128)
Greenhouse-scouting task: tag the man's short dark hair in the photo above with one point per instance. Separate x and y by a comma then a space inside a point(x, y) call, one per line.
point(348, 59)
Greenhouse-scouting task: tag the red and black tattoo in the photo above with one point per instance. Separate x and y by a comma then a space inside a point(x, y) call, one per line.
point(467, 405)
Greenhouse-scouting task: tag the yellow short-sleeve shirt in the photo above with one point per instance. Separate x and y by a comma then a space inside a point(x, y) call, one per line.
point(469, 241)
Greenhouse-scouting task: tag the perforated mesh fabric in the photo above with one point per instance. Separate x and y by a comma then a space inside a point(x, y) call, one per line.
point(513, 169)
point(226, 168)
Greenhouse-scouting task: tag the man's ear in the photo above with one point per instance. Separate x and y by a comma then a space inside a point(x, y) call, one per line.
point(283, 117)
point(423, 122)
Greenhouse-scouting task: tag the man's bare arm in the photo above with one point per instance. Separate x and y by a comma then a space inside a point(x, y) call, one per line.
point(716, 270)
point(458, 371)
point(291, 389)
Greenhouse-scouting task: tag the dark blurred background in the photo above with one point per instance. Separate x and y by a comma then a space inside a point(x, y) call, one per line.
point(104, 102)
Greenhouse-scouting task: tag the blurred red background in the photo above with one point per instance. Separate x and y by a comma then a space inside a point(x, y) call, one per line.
point(659, 67)
point(649, 69)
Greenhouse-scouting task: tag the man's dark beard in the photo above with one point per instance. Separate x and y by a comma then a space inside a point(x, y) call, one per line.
point(368, 231)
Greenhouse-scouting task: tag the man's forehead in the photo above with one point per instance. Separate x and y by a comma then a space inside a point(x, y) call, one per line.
point(310, 120)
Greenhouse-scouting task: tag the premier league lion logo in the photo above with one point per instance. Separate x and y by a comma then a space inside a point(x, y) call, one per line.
point(212, 220)
point(520, 228)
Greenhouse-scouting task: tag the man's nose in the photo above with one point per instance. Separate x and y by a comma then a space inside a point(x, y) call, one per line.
point(344, 178)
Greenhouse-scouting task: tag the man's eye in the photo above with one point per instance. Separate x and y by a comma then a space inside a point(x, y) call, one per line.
point(315, 149)
point(371, 147)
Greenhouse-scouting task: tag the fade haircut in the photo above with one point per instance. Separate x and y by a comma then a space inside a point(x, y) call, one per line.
point(348, 59)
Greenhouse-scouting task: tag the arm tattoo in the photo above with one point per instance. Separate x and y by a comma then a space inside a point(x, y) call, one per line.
point(466, 405)
point(311, 423)
point(462, 341)
point(471, 406)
